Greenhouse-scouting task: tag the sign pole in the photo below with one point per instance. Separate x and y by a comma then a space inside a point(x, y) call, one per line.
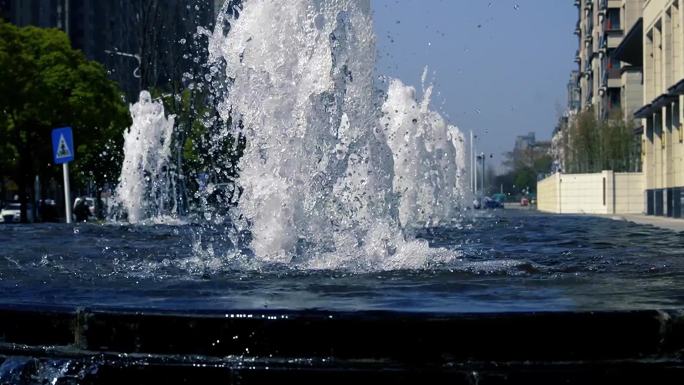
point(67, 192)
point(63, 151)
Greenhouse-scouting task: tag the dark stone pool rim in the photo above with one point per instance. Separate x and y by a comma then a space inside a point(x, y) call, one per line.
point(317, 345)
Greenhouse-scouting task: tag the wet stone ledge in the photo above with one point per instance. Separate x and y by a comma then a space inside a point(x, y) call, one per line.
point(106, 346)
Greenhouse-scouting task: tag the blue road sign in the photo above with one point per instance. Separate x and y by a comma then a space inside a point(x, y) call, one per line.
point(63, 145)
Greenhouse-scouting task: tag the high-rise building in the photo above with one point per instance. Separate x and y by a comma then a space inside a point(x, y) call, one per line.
point(5, 10)
point(662, 111)
point(574, 92)
point(142, 43)
point(525, 142)
point(610, 80)
point(631, 71)
point(41, 13)
point(605, 83)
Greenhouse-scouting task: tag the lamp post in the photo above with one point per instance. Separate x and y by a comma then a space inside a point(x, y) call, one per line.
point(483, 158)
point(473, 164)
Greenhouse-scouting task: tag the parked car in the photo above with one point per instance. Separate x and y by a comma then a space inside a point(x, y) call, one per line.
point(490, 203)
point(11, 213)
point(501, 198)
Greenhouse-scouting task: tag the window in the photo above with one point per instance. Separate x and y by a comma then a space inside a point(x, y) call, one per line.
point(613, 20)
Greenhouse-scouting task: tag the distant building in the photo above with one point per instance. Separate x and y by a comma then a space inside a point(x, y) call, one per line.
point(525, 142)
point(112, 32)
point(574, 92)
point(41, 13)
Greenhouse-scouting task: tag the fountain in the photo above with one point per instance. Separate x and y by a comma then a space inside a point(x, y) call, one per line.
point(323, 271)
point(332, 168)
point(429, 160)
point(144, 183)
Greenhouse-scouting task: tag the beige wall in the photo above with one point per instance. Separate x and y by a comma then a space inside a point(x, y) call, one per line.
point(632, 92)
point(629, 193)
point(663, 151)
point(585, 193)
point(548, 189)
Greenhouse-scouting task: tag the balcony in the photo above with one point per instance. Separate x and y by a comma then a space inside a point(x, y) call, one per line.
point(588, 38)
point(609, 74)
point(578, 58)
point(603, 9)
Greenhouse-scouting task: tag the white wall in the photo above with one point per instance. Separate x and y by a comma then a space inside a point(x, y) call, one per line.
point(585, 193)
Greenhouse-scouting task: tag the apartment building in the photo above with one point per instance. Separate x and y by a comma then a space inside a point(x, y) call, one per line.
point(605, 84)
point(663, 137)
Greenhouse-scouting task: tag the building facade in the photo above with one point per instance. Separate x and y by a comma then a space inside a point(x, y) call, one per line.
point(143, 44)
point(40, 13)
point(663, 137)
point(605, 83)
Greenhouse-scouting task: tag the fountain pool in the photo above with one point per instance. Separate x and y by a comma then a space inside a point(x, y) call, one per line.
point(509, 261)
point(347, 249)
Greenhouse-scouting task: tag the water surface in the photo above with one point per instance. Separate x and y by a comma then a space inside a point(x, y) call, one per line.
point(508, 261)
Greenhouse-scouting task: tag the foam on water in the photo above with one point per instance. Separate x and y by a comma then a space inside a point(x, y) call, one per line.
point(144, 183)
point(319, 175)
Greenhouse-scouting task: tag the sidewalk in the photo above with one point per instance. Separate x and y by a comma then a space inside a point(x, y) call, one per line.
point(661, 222)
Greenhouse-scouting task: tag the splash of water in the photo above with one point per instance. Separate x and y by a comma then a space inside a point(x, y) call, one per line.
point(317, 173)
point(428, 158)
point(144, 182)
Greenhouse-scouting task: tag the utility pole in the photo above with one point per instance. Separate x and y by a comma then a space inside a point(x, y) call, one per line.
point(475, 183)
point(470, 155)
point(67, 192)
point(483, 173)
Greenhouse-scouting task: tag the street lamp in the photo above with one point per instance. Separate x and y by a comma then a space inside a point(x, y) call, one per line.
point(483, 158)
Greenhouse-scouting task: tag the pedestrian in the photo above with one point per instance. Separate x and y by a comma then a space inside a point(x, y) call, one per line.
point(81, 210)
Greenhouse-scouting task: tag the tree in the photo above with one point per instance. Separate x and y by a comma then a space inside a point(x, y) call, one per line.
point(44, 84)
point(524, 165)
point(202, 150)
point(594, 145)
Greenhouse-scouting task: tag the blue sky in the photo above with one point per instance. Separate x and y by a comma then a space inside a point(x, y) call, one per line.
point(500, 67)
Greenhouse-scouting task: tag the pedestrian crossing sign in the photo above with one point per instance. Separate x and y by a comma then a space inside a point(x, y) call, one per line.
point(63, 145)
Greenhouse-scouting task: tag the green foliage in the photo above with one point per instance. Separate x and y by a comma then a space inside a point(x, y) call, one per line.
point(198, 148)
point(593, 145)
point(44, 84)
point(524, 166)
point(526, 178)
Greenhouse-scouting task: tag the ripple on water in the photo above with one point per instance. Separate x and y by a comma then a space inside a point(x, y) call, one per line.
point(477, 267)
